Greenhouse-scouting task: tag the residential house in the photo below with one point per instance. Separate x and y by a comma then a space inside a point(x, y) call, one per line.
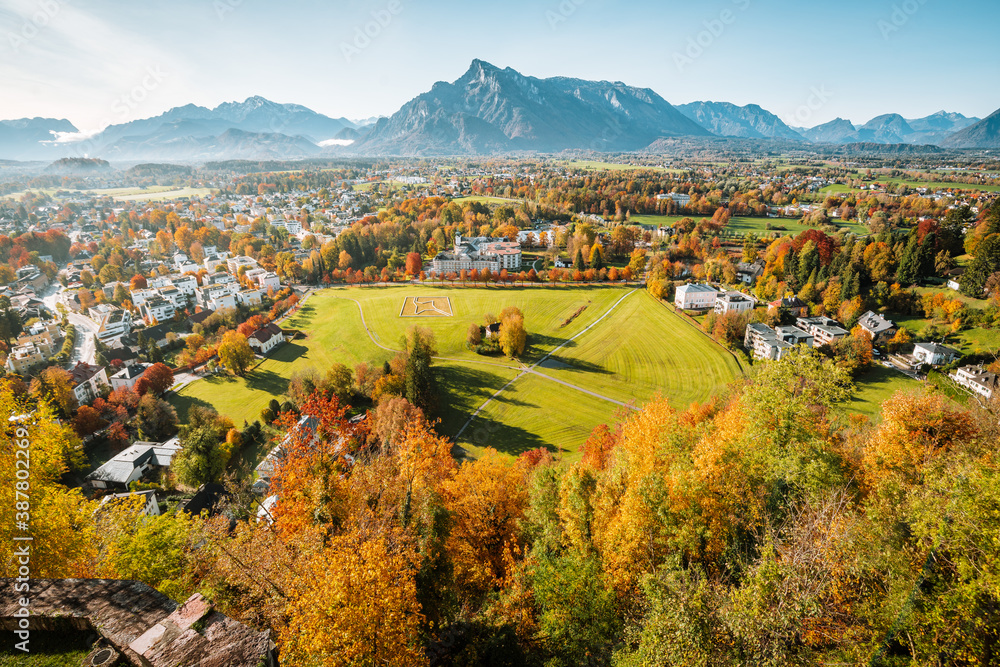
point(115, 324)
point(767, 343)
point(796, 307)
point(43, 336)
point(88, 381)
point(128, 376)
point(823, 330)
point(879, 328)
point(25, 357)
point(733, 302)
point(266, 338)
point(748, 273)
point(134, 624)
point(157, 309)
point(977, 380)
point(150, 507)
point(132, 463)
point(233, 264)
point(264, 280)
point(305, 428)
point(695, 297)
point(934, 354)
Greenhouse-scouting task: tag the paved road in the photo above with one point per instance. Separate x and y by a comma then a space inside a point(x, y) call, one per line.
point(86, 331)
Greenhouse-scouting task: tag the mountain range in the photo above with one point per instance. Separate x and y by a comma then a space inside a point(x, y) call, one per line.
point(487, 110)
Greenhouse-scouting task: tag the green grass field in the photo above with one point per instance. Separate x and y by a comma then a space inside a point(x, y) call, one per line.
point(638, 350)
point(151, 193)
point(489, 201)
point(745, 225)
point(938, 185)
point(874, 387)
point(594, 165)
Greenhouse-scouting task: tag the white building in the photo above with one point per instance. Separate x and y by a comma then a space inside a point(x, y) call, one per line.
point(266, 338)
point(88, 382)
point(977, 380)
point(934, 354)
point(127, 377)
point(478, 254)
point(767, 343)
point(823, 330)
point(157, 310)
point(733, 302)
point(695, 297)
point(116, 324)
point(265, 280)
point(234, 264)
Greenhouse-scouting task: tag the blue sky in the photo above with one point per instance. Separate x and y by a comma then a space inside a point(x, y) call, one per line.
point(98, 61)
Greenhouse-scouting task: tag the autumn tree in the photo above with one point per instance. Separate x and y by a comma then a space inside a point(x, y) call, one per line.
point(235, 353)
point(156, 419)
point(36, 503)
point(513, 336)
point(158, 378)
point(414, 264)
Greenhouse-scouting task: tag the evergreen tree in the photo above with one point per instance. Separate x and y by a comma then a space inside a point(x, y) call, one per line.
point(578, 262)
point(791, 268)
point(808, 262)
point(909, 265)
point(925, 256)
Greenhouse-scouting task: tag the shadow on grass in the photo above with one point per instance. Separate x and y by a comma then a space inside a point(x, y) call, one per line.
point(289, 352)
point(267, 381)
point(461, 386)
point(183, 404)
point(574, 365)
point(483, 432)
point(550, 342)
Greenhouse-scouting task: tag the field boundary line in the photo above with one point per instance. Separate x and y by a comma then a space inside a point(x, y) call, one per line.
point(531, 369)
point(704, 333)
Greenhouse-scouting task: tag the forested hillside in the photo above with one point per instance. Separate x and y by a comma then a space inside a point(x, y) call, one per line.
point(765, 527)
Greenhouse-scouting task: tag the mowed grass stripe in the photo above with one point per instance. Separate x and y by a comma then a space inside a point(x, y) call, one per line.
point(642, 350)
point(534, 412)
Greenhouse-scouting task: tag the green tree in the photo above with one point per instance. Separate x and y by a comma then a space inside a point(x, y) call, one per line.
point(420, 385)
point(201, 459)
point(578, 263)
point(985, 263)
point(577, 619)
point(157, 420)
point(908, 271)
point(340, 383)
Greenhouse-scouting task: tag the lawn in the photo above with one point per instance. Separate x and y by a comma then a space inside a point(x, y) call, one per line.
point(637, 351)
point(641, 350)
point(745, 225)
point(489, 201)
point(594, 165)
point(48, 648)
point(166, 195)
point(938, 185)
point(876, 386)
